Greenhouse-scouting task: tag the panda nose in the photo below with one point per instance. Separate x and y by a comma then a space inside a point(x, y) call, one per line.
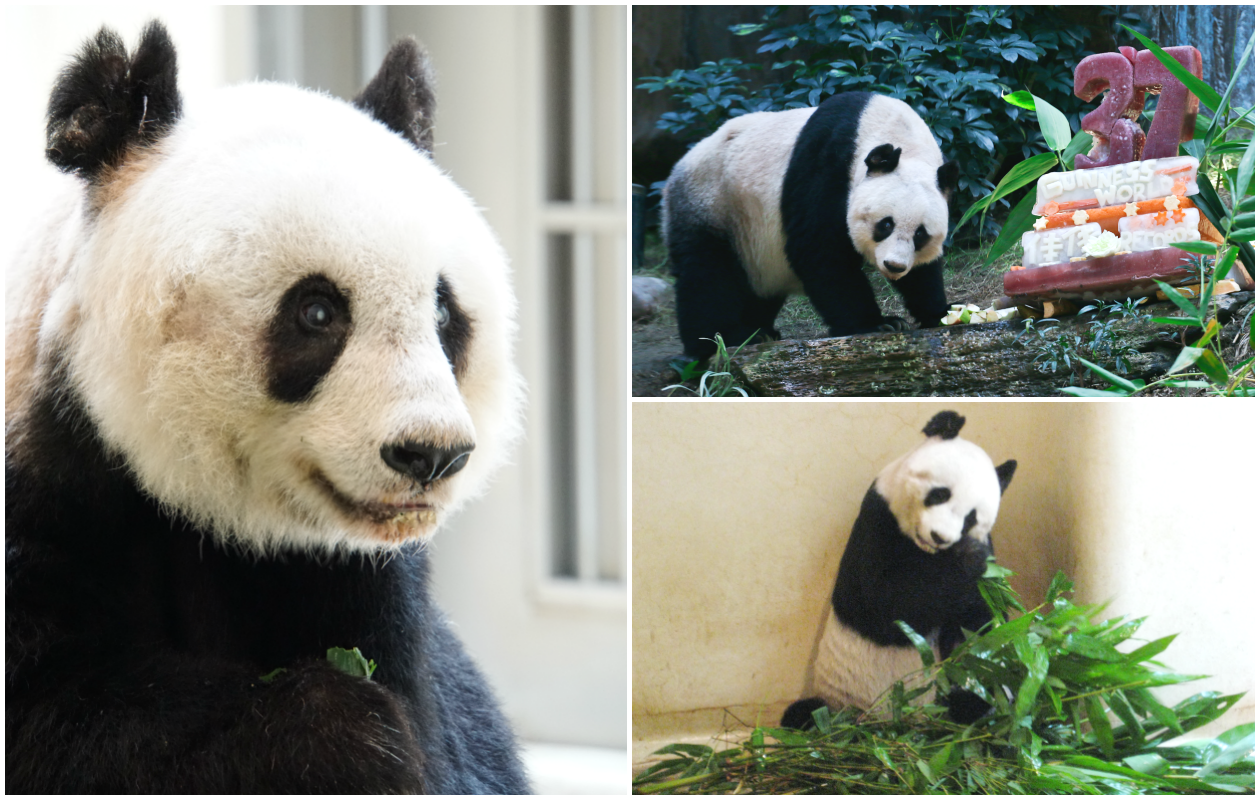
point(425, 462)
point(936, 537)
point(894, 267)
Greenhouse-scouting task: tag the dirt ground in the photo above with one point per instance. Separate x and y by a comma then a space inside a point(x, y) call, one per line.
point(655, 339)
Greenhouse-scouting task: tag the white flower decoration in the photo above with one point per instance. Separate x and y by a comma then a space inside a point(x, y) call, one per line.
point(1104, 244)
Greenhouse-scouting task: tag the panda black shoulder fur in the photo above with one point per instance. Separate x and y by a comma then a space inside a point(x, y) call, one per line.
point(250, 360)
point(785, 202)
point(916, 552)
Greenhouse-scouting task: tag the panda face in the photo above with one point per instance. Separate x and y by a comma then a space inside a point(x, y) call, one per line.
point(293, 327)
point(941, 492)
point(898, 220)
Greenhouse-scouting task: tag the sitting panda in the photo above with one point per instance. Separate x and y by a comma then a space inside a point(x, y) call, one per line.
point(261, 351)
point(785, 202)
point(917, 550)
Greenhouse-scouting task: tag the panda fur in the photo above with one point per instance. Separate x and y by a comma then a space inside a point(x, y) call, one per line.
point(915, 554)
point(790, 202)
point(260, 352)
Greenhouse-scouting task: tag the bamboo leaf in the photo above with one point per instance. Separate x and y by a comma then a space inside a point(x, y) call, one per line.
point(1198, 248)
point(1110, 377)
point(1037, 660)
point(1229, 756)
point(1210, 365)
point(1206, 94)
point(1225, 262)
point(1054, 126)
point(1020, 175)
point(1177, 300)
point(1148, 651)
point(1247, 166)
point(920, 644)
point(1100, 725)
point(1083, 391)
point(1186, 358)
point(1019, 222)
point(1148, 763)
point(1021, 99)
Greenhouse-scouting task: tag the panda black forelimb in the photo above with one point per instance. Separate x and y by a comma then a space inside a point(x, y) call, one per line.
point(922, 289)
point(884, 577)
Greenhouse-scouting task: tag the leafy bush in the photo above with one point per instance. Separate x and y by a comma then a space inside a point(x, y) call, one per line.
point(951, 64)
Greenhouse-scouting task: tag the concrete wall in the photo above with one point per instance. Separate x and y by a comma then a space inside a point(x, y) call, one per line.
point(741, 512)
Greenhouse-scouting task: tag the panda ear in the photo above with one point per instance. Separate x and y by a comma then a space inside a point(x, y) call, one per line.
point(1005, 472)
point(105, 103)
point(882, 159)
point(947, 177)
point(401, 95)
point(946, 425)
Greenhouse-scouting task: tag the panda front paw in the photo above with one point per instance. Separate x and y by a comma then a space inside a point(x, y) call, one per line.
point(800, 715)
point(893, 325)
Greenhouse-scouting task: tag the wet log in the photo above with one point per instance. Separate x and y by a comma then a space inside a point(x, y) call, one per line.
point(990, 360)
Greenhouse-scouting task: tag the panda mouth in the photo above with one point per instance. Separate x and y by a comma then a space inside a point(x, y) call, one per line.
point(406, 514)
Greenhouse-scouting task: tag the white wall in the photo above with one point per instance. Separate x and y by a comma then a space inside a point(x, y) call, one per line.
point(741, 512)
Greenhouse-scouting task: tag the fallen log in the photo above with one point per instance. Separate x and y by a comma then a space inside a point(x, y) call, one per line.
point(989, 360)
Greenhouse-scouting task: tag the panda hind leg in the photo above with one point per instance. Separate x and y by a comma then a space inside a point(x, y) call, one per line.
point(759, 316)
point(713, 295)
point(800, 715)
point(965, 707)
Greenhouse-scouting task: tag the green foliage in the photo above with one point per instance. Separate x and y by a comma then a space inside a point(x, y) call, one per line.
point(952, 64)
point(1054, 348)
point(351, 662)
point(1056, 678)
point(717, 381)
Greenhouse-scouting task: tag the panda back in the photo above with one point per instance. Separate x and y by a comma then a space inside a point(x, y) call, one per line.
point(732, 181)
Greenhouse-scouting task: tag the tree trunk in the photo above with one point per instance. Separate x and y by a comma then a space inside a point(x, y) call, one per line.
point(994, 360)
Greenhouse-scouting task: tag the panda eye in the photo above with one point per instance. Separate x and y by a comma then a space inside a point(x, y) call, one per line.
point(969, 522)
point(921, 238)
point(938, 495)
point(884, 228)
point(455, 327)
point(315, 314)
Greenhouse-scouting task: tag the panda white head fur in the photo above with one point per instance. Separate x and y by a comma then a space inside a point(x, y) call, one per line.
point(293, 328)
point(898, 212)
point(945, 489)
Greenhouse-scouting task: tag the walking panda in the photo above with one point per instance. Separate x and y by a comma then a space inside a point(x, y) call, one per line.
point(791, 202)
point(917, 549)
point(260, 352)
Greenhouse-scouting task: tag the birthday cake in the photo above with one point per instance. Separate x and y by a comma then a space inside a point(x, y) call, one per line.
point(1106, 229)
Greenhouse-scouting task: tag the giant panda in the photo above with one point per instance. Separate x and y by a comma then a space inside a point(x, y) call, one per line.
point(261, 351)
point(916, 552)
point(789, 202)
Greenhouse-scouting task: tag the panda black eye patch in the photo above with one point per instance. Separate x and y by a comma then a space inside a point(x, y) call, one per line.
point(921, 238)
point(969, 522)
point(883, 229)
point(455, 328)
point(306, 335)
point(938, 495)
